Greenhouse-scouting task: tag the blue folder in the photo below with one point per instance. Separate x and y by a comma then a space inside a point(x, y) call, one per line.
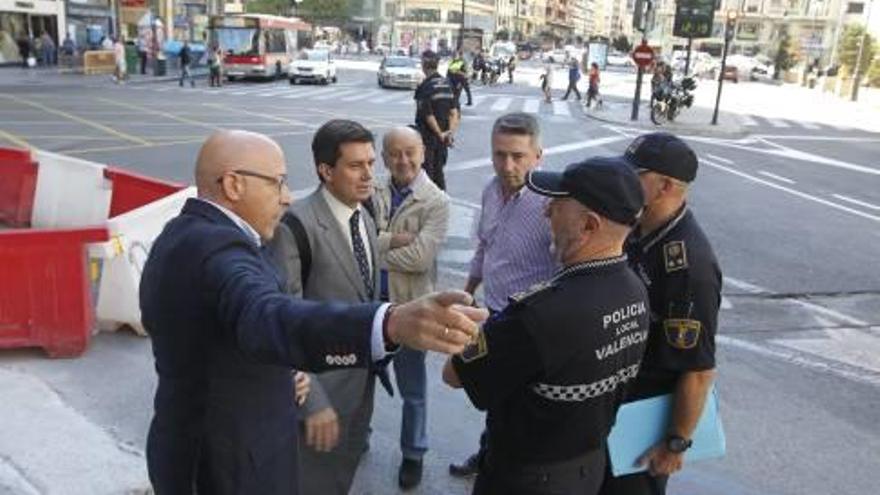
point(641, 424)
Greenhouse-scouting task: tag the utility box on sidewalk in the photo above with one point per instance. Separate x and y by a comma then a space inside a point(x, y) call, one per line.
point(93, 227)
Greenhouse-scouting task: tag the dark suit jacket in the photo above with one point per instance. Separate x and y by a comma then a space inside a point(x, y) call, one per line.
point(225, 338)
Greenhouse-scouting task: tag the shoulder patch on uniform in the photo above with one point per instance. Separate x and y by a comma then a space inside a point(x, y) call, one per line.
point(675, 256)
point(522, 297)
point(682, 333)
point(476, 350)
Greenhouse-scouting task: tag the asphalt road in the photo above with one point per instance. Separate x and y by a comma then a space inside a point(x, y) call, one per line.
point(793, 212)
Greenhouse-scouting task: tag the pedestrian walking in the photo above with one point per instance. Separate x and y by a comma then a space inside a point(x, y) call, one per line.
point(185, 57)
point(574, 75)
point(48, 49)
point(142, 53)
point(457, 75)
point(437, 117)
point(547, 82)
point(215, 65)
point(593, 88)
point(511, 67)
point(119, 57)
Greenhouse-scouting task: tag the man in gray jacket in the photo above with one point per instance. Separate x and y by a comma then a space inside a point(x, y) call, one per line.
point(342, 266)
point(412, 215)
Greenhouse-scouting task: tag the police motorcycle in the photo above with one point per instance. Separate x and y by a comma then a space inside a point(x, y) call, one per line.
point(669, 98)
point(492, 70)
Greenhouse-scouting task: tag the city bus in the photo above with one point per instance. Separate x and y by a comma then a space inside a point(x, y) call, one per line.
point(257, 45)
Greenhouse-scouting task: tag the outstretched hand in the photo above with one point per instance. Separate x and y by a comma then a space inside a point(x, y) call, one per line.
point(443, 322)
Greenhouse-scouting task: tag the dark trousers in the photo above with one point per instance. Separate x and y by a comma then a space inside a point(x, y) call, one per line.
point(143, 57)
point(215, 77)
point(435, 159)
point(633, 484)
point(572, 86)
point(581, 476)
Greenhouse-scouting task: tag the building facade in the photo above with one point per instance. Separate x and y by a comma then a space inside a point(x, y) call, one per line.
point(24, 20)
point(435, 24)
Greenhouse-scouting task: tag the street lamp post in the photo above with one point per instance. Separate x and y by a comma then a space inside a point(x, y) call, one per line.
point(857, 75)
point(729, 30)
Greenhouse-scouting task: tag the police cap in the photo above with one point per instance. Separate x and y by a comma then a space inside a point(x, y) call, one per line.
point(607, 185)
point(663, 153)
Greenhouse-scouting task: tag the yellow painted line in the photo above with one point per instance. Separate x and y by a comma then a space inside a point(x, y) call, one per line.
point(261, 115)
point(160, 114)
point(90, 123)
point(12, 138)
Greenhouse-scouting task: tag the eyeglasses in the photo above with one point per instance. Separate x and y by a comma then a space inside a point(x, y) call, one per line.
point(280, 180)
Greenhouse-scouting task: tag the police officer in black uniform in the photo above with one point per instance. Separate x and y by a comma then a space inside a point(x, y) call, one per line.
point(551, 369)
point(671, 254)
point(437, 117)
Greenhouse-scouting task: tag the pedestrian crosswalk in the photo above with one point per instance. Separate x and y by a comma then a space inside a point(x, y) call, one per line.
point(779, 124)
point(482, 103)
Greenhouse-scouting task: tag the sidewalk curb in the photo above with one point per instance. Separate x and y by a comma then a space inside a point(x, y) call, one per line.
point(676, 128)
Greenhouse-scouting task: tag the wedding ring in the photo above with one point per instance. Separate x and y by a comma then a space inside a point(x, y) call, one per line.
point(445, 331)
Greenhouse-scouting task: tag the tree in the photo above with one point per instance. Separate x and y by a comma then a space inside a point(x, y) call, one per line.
point(848, 49)
point(502, 35)
point(274, 7)
point(874, 74)
point(785, 55)
point(621, 44)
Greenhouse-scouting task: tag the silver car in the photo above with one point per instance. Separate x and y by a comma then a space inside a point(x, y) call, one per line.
point(400, 72)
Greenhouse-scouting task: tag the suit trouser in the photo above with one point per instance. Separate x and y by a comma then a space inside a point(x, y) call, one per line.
point(409, 372)
point(435, 159)
point(579, 476)
point(332, 473)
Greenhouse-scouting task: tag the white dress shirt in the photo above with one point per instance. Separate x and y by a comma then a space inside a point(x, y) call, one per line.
point(342, 213)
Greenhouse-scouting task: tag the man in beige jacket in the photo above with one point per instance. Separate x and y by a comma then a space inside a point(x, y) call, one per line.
point(412, 216)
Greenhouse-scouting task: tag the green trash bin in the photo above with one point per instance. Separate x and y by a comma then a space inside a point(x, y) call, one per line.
point(132, 61)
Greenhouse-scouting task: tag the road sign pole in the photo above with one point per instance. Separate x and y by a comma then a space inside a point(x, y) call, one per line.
point(637, 98)
point(729, 29)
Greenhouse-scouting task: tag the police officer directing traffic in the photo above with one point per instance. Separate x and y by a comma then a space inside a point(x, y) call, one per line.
point(671, 254)
point(552, 367)
point(437, 117)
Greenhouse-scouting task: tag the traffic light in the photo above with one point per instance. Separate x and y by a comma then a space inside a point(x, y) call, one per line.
point(643, 15)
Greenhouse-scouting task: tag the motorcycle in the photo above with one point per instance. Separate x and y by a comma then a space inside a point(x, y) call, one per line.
point(668, 100)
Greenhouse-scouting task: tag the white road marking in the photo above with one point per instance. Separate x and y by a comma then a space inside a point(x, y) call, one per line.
point(304, 94)
point(719, 159)
point(531, 105)
point(777, 177)
point(457, 256)
point(778, 123)
point(818, 138)
point(778, 150)
point(561, 108)
point(336, 93)
point(726, 304)
point(501, 104)
point(808, 197)
point(748, 121)
point(810, 125)
point(555, 150)
point(856, 201)
point(388, 97)
point(360, 95)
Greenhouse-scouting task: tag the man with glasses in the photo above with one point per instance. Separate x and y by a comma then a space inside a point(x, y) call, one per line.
point(225, 336)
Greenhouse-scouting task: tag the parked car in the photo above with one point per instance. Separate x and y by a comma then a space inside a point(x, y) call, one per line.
point(731, 73)
point(400, 72)
point(315, 66)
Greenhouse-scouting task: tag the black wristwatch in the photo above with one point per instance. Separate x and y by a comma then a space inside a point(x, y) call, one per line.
point(678, 444)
